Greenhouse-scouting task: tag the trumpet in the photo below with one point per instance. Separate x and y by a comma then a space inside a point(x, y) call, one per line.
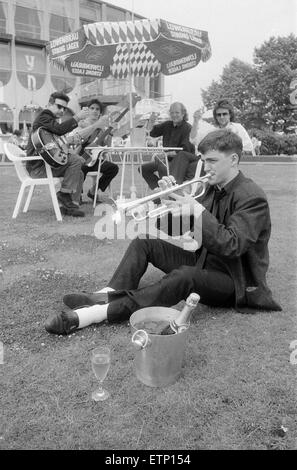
point(133, 206)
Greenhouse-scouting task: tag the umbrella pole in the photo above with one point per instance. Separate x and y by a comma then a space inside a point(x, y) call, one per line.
point(130, 98)
point(131, 84)
point(131, 81)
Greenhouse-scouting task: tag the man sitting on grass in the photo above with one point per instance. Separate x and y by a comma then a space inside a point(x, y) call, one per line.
point(228, 270)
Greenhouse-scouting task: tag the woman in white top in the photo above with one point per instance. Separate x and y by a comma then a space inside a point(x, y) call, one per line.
point(223, 115)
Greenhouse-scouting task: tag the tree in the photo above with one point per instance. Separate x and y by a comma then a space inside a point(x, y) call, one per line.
point(276, 64)
point(260, 92)
point(239, 84)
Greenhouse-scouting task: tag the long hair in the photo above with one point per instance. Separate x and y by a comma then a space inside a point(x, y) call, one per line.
point(223, 103)
point(95, 101)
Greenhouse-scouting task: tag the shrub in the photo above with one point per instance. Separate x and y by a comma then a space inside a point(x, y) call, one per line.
point(289, 144)
point(275, 144)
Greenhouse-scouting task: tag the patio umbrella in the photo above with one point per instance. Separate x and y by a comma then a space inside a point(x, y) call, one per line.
point(130, 48)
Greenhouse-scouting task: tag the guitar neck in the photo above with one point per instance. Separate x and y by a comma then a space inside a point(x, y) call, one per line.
point(106, 132)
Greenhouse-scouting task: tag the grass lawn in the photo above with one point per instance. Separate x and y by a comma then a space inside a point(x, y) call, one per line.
point(237, 389)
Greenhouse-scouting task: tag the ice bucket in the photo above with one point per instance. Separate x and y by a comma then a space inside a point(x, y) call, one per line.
point(158, 358)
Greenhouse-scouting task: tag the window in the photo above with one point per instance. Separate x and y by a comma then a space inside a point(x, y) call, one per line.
point(3, 17)
point(27, 23)
point(61, 17)
point(60, 25)
point(89, 12)
point(154, 87)
point(30, 66)
point(28, 3)
point(115, 14)
point(5, 64)
point(6, 118)
point(63, 7)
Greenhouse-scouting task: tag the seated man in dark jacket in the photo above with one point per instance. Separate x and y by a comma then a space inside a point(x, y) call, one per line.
point(69, 194)
point(231, 222)
point(175, 133)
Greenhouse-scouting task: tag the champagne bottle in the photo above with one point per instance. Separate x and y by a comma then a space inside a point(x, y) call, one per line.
point(182, 321)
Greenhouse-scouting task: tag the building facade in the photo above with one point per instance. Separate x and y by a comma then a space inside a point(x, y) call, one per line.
point(26, 76)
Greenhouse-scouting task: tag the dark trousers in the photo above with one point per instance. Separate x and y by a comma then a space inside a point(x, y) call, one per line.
point(108, 169)
point(182, 277)
point(73, 178)
point(182, 167)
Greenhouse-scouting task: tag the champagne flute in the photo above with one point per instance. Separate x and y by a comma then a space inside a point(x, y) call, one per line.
point(100, 359)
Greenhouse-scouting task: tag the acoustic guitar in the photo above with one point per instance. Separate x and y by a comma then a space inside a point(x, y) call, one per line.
point(97, 139)
point(54, 149)
point(51, 147)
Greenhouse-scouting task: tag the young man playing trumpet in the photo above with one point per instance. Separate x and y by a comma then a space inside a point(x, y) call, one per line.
point(227, 270)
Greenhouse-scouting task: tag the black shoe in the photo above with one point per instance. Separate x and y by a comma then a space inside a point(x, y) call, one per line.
point(62, 323)
point(90, 195)
point(75, 212)
point(100, 198)
point(65, 200)
point(82, 299)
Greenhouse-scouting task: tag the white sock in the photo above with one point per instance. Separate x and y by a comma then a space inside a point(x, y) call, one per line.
point(104, 290)
point(93, 314)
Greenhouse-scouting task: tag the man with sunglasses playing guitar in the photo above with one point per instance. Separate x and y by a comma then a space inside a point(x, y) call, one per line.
point(48, 119)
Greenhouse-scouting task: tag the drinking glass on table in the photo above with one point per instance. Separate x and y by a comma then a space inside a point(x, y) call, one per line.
point(100, 359)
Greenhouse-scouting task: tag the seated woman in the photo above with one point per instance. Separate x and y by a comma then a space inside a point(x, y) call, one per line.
point(108, 169)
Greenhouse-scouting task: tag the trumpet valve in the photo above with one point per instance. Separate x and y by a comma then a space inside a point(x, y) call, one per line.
point(116, 217)
point(140, 212)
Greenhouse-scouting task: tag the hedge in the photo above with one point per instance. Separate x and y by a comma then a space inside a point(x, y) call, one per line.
point(275, 144)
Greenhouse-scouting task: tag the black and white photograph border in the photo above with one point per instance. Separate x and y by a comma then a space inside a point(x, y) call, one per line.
point(236, 383)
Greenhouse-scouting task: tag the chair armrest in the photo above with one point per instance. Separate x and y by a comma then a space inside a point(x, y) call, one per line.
point(27, 159)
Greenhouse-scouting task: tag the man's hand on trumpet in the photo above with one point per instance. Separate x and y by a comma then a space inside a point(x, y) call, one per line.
point(179, 216)
point(165, 183)
point(180, 202)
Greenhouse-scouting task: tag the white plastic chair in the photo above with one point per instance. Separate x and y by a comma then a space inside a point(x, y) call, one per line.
point(19, 159)
point(197, 174)
point(95, 175)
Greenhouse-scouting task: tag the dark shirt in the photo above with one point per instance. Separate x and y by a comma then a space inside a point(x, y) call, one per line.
point(174, 136)
point(48, 120)
point(237, 235)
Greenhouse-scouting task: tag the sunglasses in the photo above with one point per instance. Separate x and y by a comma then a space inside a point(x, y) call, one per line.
point(222, 114)
point(60, 106)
